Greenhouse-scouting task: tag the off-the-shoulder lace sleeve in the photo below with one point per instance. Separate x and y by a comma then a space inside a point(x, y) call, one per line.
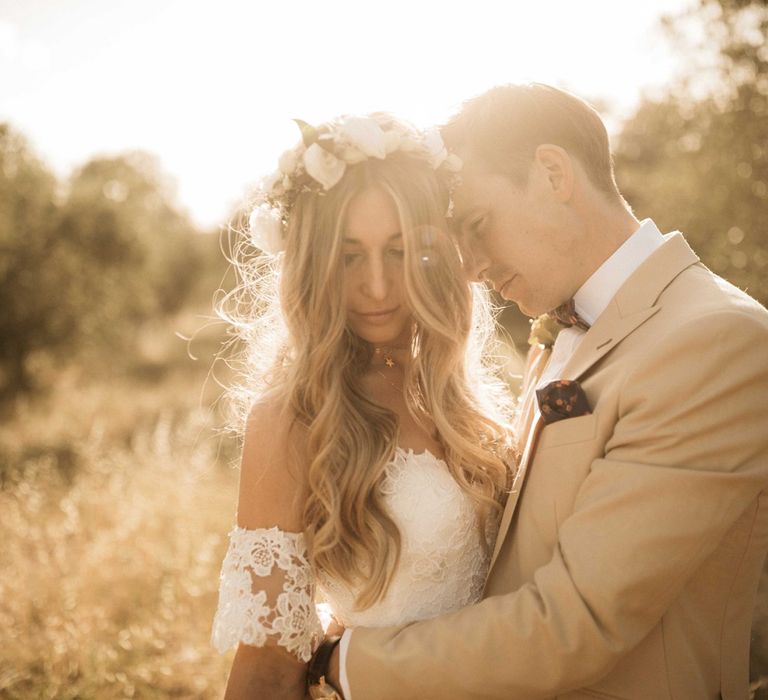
point(266, 593)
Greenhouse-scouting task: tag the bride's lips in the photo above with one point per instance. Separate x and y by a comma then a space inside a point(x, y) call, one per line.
point(377, 316)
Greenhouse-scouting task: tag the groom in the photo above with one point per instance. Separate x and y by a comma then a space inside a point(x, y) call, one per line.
point(632, 542)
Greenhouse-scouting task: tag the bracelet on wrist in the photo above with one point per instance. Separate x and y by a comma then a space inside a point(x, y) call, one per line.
point(317, 671)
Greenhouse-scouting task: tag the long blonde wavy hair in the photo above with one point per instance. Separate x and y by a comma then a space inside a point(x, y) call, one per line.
point(291, 315)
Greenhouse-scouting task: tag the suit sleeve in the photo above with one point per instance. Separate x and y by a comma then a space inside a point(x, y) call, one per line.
point(688, 455)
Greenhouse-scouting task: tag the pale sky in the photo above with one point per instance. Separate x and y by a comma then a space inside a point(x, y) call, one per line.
point(211, 87)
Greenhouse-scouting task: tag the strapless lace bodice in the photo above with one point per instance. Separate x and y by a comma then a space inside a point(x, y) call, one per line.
point(267, 593)
point(442, 563)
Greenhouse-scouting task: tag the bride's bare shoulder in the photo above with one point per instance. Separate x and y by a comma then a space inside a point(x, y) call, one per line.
point(272, 473)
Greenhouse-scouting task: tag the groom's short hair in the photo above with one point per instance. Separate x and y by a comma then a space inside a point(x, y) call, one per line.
point(502, 128)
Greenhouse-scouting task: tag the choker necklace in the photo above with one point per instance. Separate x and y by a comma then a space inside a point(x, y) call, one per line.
point(386, 351)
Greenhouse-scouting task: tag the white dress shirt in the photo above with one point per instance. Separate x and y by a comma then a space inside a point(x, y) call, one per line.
point(596, 293)
point(590, 300)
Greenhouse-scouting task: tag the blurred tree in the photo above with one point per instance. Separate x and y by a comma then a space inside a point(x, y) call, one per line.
point(136, 258)
point(81, 266)
point(28, 319)
point(697, 159)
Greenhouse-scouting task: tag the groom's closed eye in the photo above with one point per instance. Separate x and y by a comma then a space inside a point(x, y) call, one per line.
point(472, 230)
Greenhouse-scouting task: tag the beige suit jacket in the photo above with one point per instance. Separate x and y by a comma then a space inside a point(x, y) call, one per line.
point(632, 543)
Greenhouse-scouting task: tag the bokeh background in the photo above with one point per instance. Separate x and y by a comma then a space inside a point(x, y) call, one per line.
point(129, 133)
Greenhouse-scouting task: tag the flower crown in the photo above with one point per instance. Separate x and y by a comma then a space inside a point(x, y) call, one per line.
point(319, 161)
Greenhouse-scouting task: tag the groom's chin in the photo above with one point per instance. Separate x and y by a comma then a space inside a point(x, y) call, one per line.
point(533, 308)
point(526, 310)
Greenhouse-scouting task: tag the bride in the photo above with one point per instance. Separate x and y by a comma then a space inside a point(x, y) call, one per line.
point(373, 463)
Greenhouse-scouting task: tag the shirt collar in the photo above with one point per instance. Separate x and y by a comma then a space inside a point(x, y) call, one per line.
point(596, 293)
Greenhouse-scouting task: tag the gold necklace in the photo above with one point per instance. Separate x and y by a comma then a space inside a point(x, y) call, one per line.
point(386, 351)
point(399, 389)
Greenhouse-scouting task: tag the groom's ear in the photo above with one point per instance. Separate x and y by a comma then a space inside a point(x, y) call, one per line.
point(557, 169)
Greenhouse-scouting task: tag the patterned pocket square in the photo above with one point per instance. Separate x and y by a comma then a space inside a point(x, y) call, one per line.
point(562, 399)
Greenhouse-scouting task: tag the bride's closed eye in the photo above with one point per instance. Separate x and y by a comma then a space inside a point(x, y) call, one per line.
point(476, 226)
point(350, 258)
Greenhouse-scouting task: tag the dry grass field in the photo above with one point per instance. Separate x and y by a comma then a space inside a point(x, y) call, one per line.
point(116, 499)
point(117, 495)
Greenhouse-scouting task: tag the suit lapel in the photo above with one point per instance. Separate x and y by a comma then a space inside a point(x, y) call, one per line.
point(528, 450)
point(528, 426)
point(605, 335)
point(538, 360)
point(632, 306)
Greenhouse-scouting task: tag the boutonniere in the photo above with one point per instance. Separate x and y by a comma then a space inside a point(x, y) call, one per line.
point(544, 331)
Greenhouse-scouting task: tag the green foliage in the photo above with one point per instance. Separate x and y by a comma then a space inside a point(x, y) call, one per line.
point(85, 264)
point(124, 212)
point(701, 164)
point(29, 318)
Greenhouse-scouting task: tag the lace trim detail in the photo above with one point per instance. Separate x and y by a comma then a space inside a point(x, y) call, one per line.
point(443, 563)
point(247, 612)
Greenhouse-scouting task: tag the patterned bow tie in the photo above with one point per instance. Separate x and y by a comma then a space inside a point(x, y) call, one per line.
point(561, 399)
point(566, 314)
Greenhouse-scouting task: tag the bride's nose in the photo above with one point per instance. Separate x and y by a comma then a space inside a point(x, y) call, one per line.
point(377, 281)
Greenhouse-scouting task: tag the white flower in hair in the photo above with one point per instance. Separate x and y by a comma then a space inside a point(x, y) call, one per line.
point(288, 161)
point(319, 161)
point(270, 182)
point(392, 141)
point(410, 143)
point(265, 227)
point(433, 142)
point(323, 166)
point(453, 164)
point(350, 154)
point(365, 134)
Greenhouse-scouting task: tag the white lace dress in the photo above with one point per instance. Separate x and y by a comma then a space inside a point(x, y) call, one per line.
point(267, 594)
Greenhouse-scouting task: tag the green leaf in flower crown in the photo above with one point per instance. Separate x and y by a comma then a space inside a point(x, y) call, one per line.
point(309, 134)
